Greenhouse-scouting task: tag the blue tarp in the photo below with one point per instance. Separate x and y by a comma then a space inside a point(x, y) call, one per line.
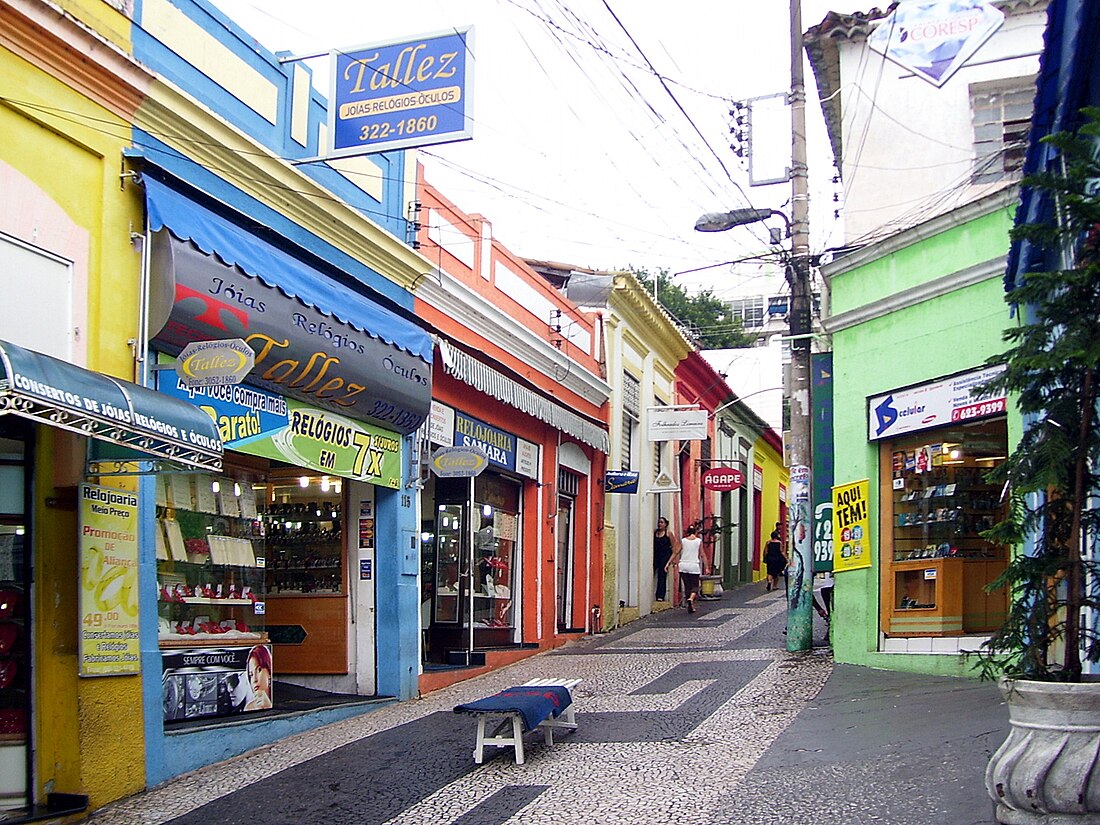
point(532, 703)
point(1067, 81)
point(216, 235)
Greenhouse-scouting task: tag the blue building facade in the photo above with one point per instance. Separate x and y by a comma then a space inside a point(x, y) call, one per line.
point(250, 236)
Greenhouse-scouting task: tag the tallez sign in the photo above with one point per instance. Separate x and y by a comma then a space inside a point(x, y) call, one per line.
point(458, 462)
point(214, 363)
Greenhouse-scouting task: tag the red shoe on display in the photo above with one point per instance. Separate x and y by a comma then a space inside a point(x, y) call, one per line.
point(13, 722)
point(9, 633)
point(9, 602)
point(8, 669)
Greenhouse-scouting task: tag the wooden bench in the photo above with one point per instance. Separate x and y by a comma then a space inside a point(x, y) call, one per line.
point(565, 719)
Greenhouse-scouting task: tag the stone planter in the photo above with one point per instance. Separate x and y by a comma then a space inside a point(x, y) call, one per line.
point(1048, 770)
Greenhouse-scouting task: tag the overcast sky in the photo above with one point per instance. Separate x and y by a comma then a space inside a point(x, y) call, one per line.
point(579, 154)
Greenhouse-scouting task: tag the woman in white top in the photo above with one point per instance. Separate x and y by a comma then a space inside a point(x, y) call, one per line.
point(686, 556)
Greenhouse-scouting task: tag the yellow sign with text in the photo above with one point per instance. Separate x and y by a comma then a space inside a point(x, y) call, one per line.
point(109, 643)
point(851, 526)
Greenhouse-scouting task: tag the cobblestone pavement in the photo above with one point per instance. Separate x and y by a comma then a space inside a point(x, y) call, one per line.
point(681, 719)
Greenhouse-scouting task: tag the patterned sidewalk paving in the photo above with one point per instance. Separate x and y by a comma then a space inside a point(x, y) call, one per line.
point(675, 714)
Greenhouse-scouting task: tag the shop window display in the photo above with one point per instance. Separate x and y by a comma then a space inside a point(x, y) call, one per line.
point(494, 544)
point(307, 590)
point(210, 560)
point(938, 564)
point(14, 669)
point(227, 546)
point(493, 548)
point(211, 596)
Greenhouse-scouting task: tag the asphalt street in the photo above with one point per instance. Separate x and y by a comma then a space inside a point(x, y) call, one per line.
point(681, 719)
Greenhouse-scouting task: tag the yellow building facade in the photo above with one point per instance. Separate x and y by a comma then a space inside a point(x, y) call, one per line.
point(70, 291)
point(770, 478)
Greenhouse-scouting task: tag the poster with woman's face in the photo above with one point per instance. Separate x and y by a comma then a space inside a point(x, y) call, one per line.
point(199, 683)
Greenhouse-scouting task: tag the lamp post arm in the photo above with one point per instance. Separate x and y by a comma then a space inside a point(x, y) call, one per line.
point(742, 398)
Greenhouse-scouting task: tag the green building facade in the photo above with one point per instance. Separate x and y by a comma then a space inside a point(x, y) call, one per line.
point(912, 319)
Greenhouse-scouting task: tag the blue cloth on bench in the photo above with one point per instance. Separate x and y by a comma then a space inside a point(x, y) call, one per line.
point(533, 703)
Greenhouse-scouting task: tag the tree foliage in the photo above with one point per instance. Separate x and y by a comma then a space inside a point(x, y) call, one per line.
point(706, 317)
point(1052, 367)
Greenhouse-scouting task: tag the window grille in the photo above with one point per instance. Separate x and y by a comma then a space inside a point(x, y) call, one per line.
point(568, 483)
point(632, 395)
point(1001, 115)
point(629, 426)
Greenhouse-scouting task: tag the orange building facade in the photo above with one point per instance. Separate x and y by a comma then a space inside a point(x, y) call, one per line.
point(512, 557)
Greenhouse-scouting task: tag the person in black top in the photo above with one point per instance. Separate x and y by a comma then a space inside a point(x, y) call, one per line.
point(775, 559)
point(662, 552)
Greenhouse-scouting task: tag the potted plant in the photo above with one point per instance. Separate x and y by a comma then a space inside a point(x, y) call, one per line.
point(1044, 771)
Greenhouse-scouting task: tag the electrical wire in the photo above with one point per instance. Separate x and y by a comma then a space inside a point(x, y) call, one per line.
point(679, 106)
point(619, 57)
point(110, 128)
point(860, 73)
point(954, 193)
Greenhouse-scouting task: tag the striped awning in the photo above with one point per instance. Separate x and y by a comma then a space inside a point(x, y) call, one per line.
point(485, 379)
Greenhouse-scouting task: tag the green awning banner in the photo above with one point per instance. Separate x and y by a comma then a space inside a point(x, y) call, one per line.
point(54, 392)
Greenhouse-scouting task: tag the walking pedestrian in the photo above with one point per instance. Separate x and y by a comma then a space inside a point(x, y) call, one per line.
point(686, 558)
point(823, 594)
point(663, 544)
point(775, 560)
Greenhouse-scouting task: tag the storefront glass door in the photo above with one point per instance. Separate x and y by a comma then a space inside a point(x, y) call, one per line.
point(451, 563)
point(565, 562)
point(15, 647)
point(472, 571)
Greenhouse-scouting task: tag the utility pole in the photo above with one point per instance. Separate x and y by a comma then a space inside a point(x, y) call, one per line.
point(800, 526)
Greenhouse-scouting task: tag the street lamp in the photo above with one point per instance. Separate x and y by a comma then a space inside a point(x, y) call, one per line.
point(721, 221)
point(800, 592)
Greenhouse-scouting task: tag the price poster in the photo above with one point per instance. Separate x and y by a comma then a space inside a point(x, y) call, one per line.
point(851, 526)
point(108, 582)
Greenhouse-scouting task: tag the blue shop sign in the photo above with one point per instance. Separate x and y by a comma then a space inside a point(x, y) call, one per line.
point(243, 413)
point(415, 92)
point(499, 446)
point(620, 481)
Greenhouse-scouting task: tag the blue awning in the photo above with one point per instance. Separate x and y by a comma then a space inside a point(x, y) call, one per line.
point(234, 246)
point(54, 392)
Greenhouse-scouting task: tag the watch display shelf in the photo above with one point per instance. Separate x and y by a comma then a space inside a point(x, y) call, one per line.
point(304, 551)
